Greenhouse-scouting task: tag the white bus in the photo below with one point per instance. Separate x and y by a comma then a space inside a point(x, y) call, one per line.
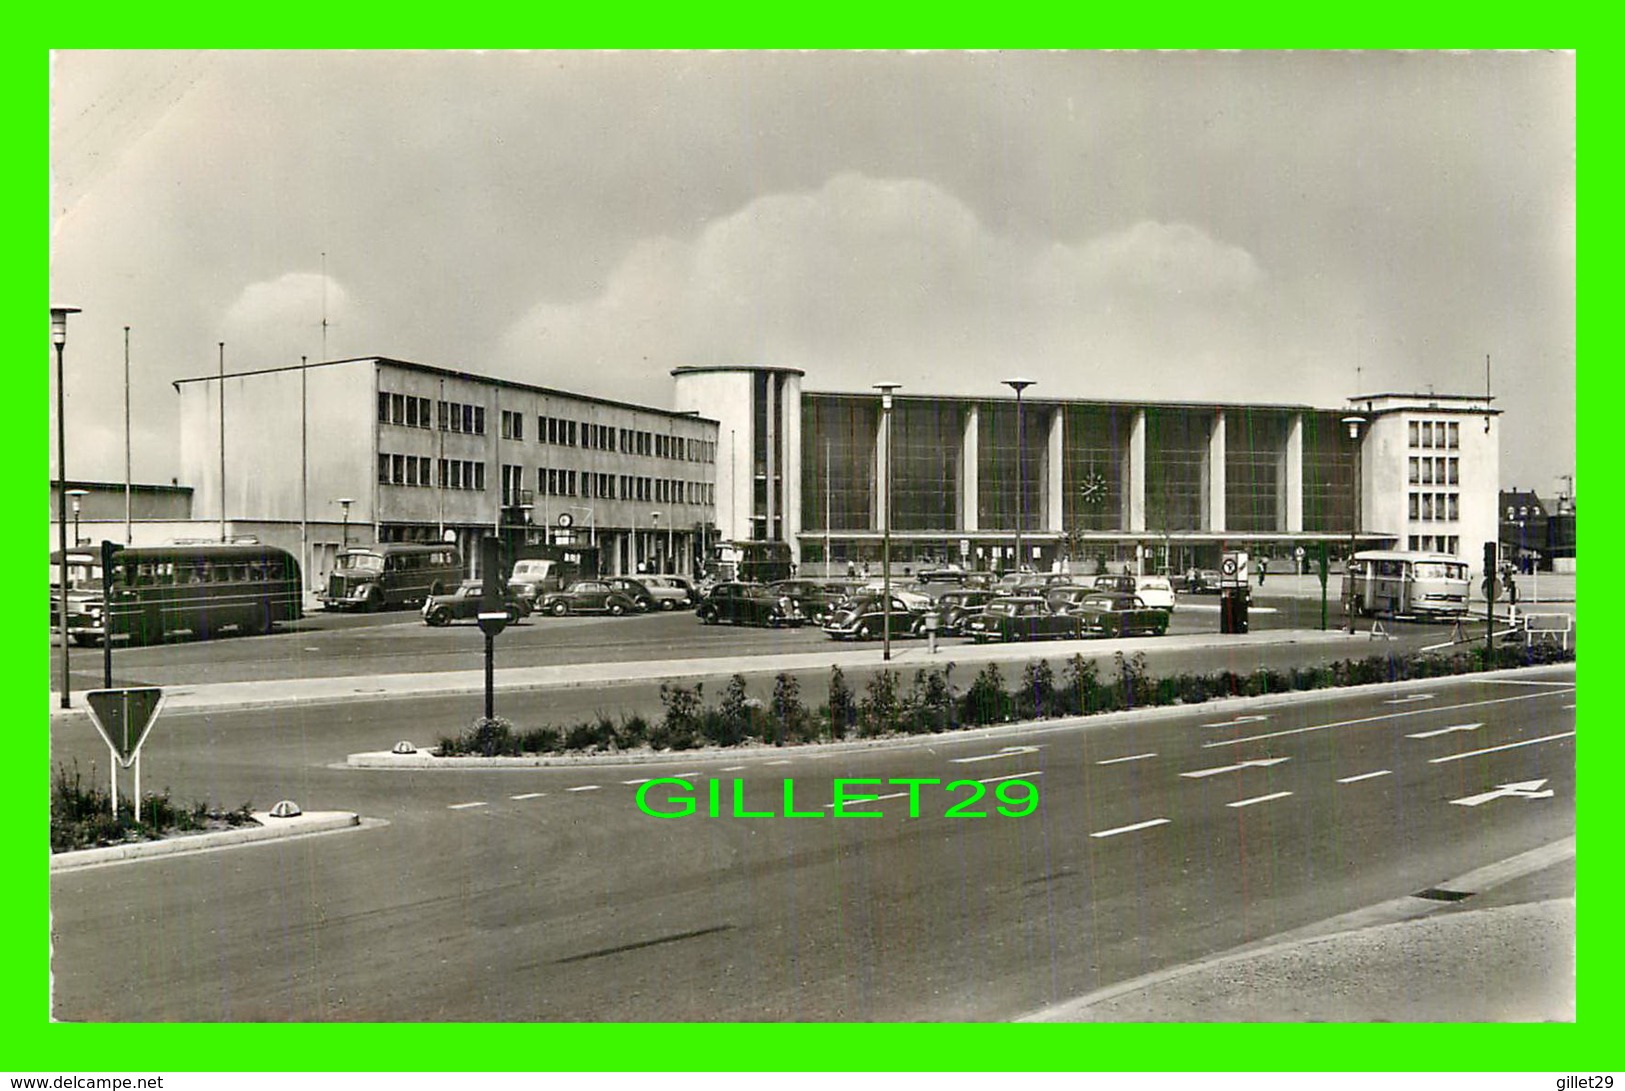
point(1394, 583)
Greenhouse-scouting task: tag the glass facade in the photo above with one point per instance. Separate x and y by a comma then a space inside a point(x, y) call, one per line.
point(1175, 468)
point(1094, 463)
point(1255, 470)
point(997, 473)
point(838, 433)
point(926, 442)
point(1328, 474)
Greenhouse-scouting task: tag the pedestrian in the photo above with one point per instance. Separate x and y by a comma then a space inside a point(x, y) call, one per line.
point(1263, 570)
point(851, 569)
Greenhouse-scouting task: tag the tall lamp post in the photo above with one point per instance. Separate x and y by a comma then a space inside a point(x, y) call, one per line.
point(654, 542)
point(344, 502)
point(886, 390)
point(1353, 423)
point(59, 338)
point(77, 495)
point(1018, 385)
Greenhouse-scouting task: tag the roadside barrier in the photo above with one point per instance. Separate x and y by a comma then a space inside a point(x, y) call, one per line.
point(1549, 627)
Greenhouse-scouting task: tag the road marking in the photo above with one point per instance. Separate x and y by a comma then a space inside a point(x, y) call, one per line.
point(1258, 799)
point(584, 788)
point(1238, 720)
point(465, 806)
point(1409, 697)
point(1131, 757)
point(1259, 762)
point(528, 795)
point(1011, 776)
point(640, 780)
point(781, 761)
point(1364, 776)
point(1493, 749)
point(1007, 752)
point(1525, 682)
point(1131, 829)
point(732, 768)
point(1568, 706)
point(1445, 731)
point(1375, 719)
point(1523, 789)
point(865, 799)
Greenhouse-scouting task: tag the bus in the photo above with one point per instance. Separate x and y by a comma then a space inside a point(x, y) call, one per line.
point(201, 589)
point(84, 575)
point(1394, 583)
point(751, 562)
point(391, 575)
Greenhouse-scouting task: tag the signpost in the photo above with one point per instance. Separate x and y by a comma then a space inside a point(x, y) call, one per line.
point(493, 616)
point(124, 718)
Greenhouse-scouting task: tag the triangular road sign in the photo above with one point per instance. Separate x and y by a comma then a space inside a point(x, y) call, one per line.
point(124, 716)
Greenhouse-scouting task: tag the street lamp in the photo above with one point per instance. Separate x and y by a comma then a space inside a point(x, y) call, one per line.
point(77, 495)
point(345, 502)
point(654, 544)
point(885, 524)
point(1018, 385)
point(59, 338)
point(1353, 423)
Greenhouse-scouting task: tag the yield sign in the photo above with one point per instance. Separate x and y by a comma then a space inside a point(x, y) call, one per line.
point(1525, 789)
point(124, 716)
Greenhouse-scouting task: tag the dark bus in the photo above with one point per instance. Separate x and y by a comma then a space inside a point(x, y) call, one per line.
point(750, 562)
point(391, 575)
point(201, 589)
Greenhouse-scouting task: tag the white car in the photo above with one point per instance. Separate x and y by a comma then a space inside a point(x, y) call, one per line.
point(913, 599)
point(1156, 592)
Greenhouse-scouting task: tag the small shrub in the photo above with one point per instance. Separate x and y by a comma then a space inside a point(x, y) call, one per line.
point(633, 732)
point(540, 740)
point(843, 712)
point(1133, 684)
point(790, 721)
point(986, 701)
point(878, 713)
point(1036, 698)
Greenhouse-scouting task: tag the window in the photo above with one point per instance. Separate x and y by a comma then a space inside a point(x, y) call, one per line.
point(1416, 507)
point(1416, 471)
point(1451, 497)
point(383, 407)
point(1415, 437)
point(411, 470)
point(383, 469)
point(1414, 543)
point(1427, 433)
point(1453, 466)
point(444, 409)
point(411, 412)
point(513, 425)
point(397, 469)
point(1427, 471)
point(1455, 434)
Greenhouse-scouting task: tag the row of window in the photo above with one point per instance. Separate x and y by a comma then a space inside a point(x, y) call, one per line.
point(551, 481)
point(410, 411)
point(1435, 471)
point(149, 573)
point(1430, 507)
point(455, 473)
point(1435, 543)
point(1435, 433)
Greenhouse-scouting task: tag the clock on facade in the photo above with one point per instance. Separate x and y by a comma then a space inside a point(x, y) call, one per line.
point(1093, 489)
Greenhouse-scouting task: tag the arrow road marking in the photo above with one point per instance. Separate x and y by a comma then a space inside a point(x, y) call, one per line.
point(1131, 829)
point(1407, 699)
point(1131, 757)
point(1258, 799)
point(1239, 720)
point(1258, 762)
point(1523, 789)
point(1493, 749)
point(1365, 776)
point(1007, 752)
point(1445, 731)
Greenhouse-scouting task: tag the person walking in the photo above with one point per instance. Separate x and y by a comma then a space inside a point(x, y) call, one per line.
point(1263, 569)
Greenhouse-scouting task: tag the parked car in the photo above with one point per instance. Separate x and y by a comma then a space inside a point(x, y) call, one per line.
point(864, 617)
point(942, 573)
point(1020, 617)
point(1108, 613)
point(1120, 583)
point(813, 598)
point(747, 604)
point(959, 606)
point(670, 592)
point(464, 603)
point(587, 597)
point(642, 600)
point(876, 587)
point(1156, 592)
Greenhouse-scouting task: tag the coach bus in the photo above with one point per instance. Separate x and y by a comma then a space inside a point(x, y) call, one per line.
point(201, 589)
point(1393, 583)
point(391, 575)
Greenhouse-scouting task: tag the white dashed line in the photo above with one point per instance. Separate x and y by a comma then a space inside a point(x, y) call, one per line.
point(1012, 776)
point(1568, 706)
point(732, 768)
point(465, 806)
point(1131, 757)
point(1131, 829)
point(528, 795)
point(640, 780)
point(1364, 776)
point(781, 761)
point(1374, 719)
point(1493, 749)
point(1408, 698)
point(1445, 730)
point(1238, 720)
point(866, 799)
point(584, 788)
point(1258, 799)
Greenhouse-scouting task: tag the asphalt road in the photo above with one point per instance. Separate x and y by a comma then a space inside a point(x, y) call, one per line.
point(546, 894)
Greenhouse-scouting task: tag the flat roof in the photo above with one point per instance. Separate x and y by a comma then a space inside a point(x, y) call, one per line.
point(1029, 399)
point(455, 373)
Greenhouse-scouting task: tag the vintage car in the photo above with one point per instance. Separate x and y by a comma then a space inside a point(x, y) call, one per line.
point(670, 592)
point(942, 573)
point(642, 600)
point(813, 598)
point(899, 589)
point(1020, 617)
point(464, 604)
point(587, 597)
point(1110, 613)
point(863, 617)
point(747, 604)
point(1156, 592)
point(957, 607)
point(532, 578)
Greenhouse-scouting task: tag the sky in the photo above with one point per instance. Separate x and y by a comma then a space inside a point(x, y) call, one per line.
point(1235, 227)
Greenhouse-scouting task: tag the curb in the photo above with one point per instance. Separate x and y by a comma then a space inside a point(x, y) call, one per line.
point(423, 759)
point(270, 829)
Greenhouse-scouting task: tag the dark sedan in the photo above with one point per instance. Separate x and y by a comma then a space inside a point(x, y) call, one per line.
point(942, 573)
point(587, 597)
point(959, 607)
point(642, 599)
point(1021, 618)
point(464, 603)
point(815, 600)
point(1108, 614)
point(747, 604)
point(863, 617)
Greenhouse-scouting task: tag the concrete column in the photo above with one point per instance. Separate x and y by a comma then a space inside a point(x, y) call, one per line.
point(771, 393)
point(1054, 472)
point(1292, 507)
point(790, 407)
point(1214, 520)
point(968, 477)
point(1136, 474)
point(881, 484)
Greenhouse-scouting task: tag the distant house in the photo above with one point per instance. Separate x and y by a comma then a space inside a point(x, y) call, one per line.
point(1535, 533)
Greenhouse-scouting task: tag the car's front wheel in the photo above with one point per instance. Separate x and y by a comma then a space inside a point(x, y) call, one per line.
point(864, 633)
point(616, 609)
point(668, 605)
point(438, 617)
point(707, 617)
point(560, 609)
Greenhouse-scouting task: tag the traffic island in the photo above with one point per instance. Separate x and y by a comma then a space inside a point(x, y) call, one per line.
point(266, 827)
